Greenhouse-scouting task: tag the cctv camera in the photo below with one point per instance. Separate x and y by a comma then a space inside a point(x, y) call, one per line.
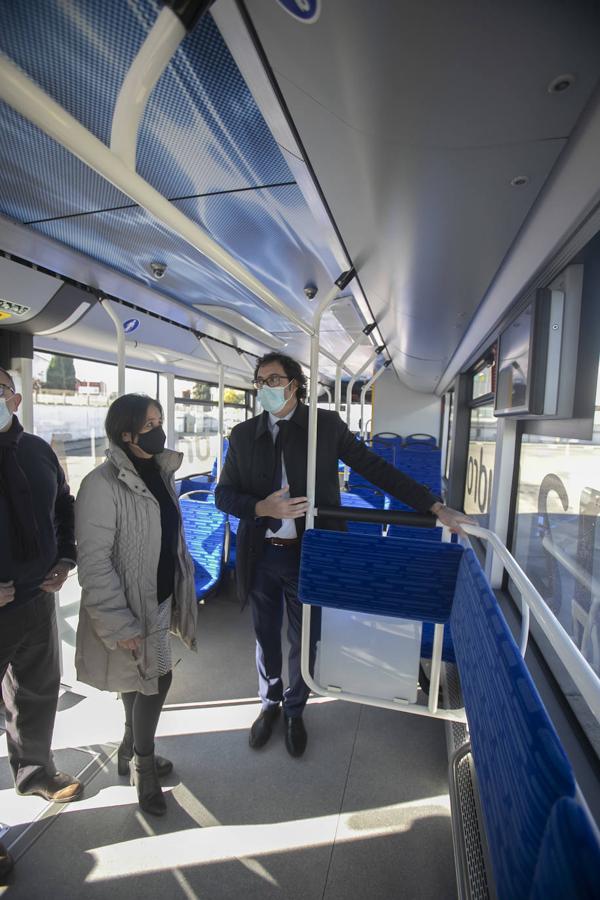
point(310, 291)
point(158, 269)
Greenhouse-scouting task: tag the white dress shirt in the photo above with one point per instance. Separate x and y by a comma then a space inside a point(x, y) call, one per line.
point(288, 526)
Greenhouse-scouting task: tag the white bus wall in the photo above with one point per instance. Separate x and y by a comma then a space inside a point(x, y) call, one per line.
point(399, 409)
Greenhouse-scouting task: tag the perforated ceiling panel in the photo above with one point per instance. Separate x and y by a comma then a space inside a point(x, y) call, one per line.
point(202, 138)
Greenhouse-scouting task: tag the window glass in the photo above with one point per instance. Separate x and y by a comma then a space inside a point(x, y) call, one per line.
point(196, 390)
point(138, 381)
point(480, 466)
point(70, 400)
point(450, 414)
point(482, 381)
point(557, 531)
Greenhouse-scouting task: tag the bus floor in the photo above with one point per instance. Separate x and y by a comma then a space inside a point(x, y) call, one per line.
point(364, 813)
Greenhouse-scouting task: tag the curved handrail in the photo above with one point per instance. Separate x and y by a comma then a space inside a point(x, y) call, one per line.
point(575, 663)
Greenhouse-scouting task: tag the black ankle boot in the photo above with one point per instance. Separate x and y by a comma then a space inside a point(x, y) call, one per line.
point(125, 755)
point(143, 775)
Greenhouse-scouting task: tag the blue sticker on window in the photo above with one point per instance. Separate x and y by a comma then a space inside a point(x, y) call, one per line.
point(306, 11)
point(131, 325)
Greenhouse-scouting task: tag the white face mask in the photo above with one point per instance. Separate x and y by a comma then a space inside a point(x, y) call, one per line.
point(272, 399)
point(5, 414)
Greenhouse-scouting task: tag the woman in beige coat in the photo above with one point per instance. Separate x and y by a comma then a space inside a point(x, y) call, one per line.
point(137, 582)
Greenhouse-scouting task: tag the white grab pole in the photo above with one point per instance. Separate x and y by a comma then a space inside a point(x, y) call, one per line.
point(221, 375)
point(352, 382)
point(338, 371)
point(108, 308)
point(363, 393)
point(151, 61)
point(23, 95)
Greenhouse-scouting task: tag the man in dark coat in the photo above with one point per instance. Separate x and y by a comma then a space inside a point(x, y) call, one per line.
point(266, 490)
point(37, 550)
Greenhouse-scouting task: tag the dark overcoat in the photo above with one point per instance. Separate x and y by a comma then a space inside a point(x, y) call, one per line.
point(248, 471)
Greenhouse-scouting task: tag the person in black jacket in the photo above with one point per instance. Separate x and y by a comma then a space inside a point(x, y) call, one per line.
point(265, 489)
point(37, 550)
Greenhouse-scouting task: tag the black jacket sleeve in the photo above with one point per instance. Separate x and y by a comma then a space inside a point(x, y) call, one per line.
point(381, 473)
point(229, 495)
point(64, 517)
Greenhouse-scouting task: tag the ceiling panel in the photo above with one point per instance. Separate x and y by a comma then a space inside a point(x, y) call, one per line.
point(415, 119)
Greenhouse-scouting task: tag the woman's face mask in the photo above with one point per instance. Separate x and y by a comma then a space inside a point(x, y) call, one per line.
point(153, 441)
point(272, 399)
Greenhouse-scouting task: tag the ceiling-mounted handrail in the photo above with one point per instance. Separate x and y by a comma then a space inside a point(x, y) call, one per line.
point(151, 61)
point(363, 394)
point(35, 105)
point(340, 365)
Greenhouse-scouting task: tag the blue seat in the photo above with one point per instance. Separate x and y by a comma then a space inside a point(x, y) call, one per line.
point(569, 861)
point(521, 767)
point(193, 483)
point(366, 497)
point(420, 441)
point(542, 843)
point(204, 528)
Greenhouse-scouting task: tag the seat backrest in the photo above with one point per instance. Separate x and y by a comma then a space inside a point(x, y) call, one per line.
point(521, 767)
point(420, 441)
point(204, 527)
point(569, 860)
point(408, 579)
point(363, 496)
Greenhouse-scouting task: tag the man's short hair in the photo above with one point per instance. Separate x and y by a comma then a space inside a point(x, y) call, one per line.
point(291, 368)
point(9, 376)
point(128, 414)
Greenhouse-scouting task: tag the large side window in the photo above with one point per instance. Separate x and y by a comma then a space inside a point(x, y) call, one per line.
point(70, 399)
point(557, 530)
point(197, 421)
point(483, 429)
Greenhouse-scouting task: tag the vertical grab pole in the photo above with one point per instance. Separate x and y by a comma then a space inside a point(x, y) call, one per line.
point(340, 365)
point(363, 394)
point(221, 375)
point(108, 308)
point(311, 464)
point(436, 667)
point(327, 394)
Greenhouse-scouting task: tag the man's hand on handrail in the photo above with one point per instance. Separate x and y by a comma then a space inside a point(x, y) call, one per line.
point(451, 518)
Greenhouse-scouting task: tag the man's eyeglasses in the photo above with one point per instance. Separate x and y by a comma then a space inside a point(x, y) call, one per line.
point(272, 381)
point(4, 388)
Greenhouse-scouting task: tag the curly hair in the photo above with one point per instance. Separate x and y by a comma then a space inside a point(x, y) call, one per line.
point(290, 366)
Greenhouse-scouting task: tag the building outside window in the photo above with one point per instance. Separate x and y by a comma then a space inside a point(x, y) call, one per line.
point(71, 397)
point(197, 421)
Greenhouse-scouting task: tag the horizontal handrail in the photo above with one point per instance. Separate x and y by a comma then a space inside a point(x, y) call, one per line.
point(380, 516)
point(576, 665)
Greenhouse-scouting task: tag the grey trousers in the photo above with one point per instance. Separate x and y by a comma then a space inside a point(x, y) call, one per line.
point(30, 675)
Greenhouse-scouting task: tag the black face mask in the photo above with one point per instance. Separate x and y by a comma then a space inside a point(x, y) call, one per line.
point(152, 442)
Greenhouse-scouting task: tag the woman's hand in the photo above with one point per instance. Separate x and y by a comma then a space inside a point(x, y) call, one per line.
point(130, 644)
point(451, 518)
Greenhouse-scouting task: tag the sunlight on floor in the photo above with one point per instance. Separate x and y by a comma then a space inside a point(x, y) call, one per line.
point(197, 846)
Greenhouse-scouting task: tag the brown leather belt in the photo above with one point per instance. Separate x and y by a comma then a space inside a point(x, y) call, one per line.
point(281, 542)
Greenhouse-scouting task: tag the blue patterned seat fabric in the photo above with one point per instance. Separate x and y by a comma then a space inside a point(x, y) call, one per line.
point(365, 497)
point(521, 767)
point(408, 579)
point(569, 861)
point(204, 527)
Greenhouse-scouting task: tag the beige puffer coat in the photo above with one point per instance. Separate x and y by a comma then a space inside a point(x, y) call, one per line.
point(118, 531)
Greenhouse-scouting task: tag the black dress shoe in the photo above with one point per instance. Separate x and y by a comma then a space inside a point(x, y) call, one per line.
point(262, 728)
point(57, 788)
point(295, 736)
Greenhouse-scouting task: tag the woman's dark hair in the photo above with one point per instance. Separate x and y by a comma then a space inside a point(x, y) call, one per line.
point(291, 368)
point(128, 413)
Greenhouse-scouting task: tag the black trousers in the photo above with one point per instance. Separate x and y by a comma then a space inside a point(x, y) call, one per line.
point(275, 585)
point(30, 675)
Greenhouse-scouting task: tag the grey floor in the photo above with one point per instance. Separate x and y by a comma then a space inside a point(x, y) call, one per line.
point(363, 814)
